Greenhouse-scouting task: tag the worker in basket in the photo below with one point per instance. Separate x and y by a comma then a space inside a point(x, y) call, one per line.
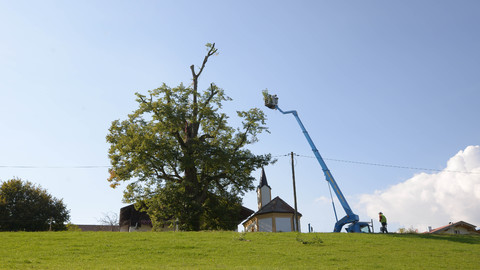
point(383, 220)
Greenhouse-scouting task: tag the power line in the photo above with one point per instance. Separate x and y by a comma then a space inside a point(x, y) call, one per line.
point(383, 165)
point(276, 156)
point(53, 167)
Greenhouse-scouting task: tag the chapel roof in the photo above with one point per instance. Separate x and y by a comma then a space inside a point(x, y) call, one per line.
point(276, 205)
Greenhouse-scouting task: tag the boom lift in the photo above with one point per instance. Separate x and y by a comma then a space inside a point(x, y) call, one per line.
point(354, 225)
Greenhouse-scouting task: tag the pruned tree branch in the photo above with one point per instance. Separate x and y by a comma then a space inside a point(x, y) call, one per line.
point(195, 76)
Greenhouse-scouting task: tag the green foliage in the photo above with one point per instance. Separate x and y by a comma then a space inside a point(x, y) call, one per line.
point(181, 159)
point(308, 239)
point(242, 236)
point(73, 228)
point(225, 250)
point(265, 95)
point(409, 230)
point(26, 207)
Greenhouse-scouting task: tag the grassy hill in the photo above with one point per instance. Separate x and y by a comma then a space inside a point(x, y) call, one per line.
point(227, 250)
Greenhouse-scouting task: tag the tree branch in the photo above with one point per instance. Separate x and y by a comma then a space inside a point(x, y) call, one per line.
point(168, 176)
point(211, 52)
point(195, 76)
point(213, 92)
point(242, 140)
point(173, 167)
point(179, 139)
point(205, 136)
point(155, 111)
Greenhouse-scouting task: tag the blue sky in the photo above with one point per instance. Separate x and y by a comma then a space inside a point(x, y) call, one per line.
point(373, 81)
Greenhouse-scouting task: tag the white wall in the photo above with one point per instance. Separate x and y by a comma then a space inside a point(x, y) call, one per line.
point(283, 224)
point(265, 225)
point(266, 195)
point(458, 230)
point(143, 228)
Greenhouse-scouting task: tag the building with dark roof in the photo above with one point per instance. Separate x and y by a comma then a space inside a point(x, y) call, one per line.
point(133, 220)
point(272, 215)
point(460, 227)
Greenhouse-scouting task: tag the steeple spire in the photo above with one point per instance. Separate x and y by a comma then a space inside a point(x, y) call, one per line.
point(263, 180)
point(264, 191)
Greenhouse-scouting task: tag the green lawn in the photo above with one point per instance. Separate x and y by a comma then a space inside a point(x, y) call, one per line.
point(227, 250)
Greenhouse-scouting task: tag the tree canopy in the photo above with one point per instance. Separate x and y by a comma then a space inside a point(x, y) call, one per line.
point(181, 159)
point(26, 207)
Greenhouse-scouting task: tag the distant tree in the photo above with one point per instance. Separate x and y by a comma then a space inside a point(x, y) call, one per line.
point(109, 219)
point(409, 230)
point(26, 207)
point(182, 160)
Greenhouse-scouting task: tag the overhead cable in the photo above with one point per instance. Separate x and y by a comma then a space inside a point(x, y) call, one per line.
point(53, 167)
point(276, 156)
point(384, 165)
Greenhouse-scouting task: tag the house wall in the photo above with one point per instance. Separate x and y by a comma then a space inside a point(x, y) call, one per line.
point(143, 228)
point(271, 222)
point(458, 230)
point(250, 225)
point(99, 228)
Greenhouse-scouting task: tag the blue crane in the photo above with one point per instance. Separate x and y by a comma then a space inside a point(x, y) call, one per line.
point(271, 101)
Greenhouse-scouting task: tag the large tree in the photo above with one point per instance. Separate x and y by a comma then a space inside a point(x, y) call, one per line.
point(181, 159)
point(26, 207)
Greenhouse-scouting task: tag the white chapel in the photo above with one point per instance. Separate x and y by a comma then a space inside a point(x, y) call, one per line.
point(272, 215)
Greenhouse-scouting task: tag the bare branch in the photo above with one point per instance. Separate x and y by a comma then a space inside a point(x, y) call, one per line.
point(192, 68)
point(195, 76)
point(211, 52)
point(109, 219)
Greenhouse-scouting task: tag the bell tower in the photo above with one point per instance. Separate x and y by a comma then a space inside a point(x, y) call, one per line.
point(264, 191)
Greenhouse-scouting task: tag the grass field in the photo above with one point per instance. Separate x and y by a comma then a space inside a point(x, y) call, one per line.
point(230, 250)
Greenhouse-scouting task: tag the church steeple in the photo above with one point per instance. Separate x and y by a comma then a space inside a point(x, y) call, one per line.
point(263, 180)
point(264, 191)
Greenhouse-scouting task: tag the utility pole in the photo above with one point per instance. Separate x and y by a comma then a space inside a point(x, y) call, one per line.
point(294, 196)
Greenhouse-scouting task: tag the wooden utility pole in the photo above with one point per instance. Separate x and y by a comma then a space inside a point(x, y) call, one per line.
point(294, 196)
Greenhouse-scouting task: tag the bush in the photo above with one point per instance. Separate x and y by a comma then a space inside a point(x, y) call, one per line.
point(409, 230)
point(73, 228)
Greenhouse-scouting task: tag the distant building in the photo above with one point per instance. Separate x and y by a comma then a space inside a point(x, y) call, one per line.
point(133, 220)
point(460, 227)
point(99, 228)
point(272, 215)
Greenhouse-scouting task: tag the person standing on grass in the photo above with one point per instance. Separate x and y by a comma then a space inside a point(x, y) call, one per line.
point(383, 220)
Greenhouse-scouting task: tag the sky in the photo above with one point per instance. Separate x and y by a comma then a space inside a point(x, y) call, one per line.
point(388, 91)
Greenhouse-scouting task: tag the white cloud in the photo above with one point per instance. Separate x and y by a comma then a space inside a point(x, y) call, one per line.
point(322, 200)
point(433, 199)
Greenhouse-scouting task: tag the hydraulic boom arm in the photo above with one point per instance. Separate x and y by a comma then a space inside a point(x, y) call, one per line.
point(272, 102)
